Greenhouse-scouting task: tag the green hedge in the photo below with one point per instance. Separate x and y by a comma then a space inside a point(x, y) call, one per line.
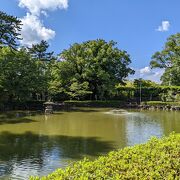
point(95, 103)
point(160, 103)
point(157, 159)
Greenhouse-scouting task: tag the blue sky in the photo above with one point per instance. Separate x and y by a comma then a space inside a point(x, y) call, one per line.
point(140, 27)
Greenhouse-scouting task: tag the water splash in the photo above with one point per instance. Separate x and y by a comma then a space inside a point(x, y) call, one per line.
point(118, 112)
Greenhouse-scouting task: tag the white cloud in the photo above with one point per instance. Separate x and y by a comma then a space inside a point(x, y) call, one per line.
point(35, 7)
point(165, 25)
point(33, 30)
point(148, 74)
point(145, 70)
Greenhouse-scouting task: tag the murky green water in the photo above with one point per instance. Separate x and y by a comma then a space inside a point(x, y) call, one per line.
point(38, 144)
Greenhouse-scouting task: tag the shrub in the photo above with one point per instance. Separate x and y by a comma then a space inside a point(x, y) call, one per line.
point(98, 103)
point(157, 159)
point(160, 103)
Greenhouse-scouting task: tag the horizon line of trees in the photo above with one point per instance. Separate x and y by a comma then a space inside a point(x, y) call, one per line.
point(93, 69)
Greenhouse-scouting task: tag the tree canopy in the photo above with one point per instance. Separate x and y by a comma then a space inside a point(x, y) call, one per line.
point(24, 74)
point(169, 59)
point(91, 70)
point(10, 27)
point(20, 75)
point(39, 51)
point(93, 67)
point(44, 59)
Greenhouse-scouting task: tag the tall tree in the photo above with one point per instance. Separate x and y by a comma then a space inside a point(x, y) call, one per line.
point(169, 59)
point(10, 27)
point(39, 51)
point(20, 76)
point(40, 54)
point(97, 64)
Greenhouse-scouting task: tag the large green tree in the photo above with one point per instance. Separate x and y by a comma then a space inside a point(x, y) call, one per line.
point(10, 27)
point(44, 59)
point(20, 75)
point(169, 59)
point(93, 67)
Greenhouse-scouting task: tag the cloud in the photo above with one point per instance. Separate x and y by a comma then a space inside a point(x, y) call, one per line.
point(35, 7)
point(148, 74)
point(165, 25)
point(33, 30)
point(145, 70)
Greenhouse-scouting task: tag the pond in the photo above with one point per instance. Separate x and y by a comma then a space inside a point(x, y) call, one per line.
point(37, 144)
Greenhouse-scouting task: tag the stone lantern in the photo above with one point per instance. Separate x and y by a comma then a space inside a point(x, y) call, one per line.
point(49, 107)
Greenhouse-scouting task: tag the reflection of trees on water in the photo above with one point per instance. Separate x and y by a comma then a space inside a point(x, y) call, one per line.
point(16, 118)
point(15, 148)
point(141, 128)
point(169, 120)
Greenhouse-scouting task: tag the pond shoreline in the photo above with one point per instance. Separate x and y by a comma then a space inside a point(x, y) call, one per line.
point(123, 105)
point(66, 105)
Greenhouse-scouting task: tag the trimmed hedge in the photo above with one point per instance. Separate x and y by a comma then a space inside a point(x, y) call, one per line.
point(160, 103)
point(98, 103)
point(157, 159)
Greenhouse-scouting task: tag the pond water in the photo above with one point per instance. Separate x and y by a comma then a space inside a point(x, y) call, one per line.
point(38, 144)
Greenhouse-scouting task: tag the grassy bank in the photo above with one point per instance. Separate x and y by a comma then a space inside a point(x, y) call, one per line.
point(157, 159)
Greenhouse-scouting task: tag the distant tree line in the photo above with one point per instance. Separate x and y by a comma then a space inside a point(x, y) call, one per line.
point(90, 70)
point(141, 90)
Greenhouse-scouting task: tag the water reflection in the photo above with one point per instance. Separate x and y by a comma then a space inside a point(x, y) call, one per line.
point(35, 151)
point(16, 117)
point(140, 128)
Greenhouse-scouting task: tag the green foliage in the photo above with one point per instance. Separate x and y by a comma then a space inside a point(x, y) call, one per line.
point(59, 83)
point(9, 30)
point(39, 51)
point(169, 59)
point(26, 74)
point(45, 60)
point(20, 75)
point(98, 64)
point(144, 83)
point(98, 103)
point(161, 103)
point(95, 70)
point(78, 90)
point(170, 93)
point(157, 159)
point(168, 97)
point(131, 90)
point(177, 97)
point(149, 90)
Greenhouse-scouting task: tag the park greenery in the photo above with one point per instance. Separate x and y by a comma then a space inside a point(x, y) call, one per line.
point(157, 159)
point(169, 59)
point(91, 73)
point(92, 70)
